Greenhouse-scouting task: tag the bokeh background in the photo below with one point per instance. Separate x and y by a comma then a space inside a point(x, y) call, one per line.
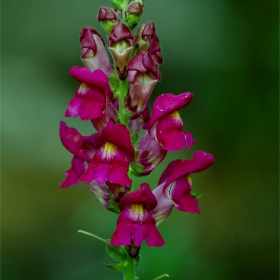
point(226, 53)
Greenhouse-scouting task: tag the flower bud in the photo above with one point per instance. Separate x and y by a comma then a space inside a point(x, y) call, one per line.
point(150, 153)
point(120, 45)
point(133, 12)
point(143, 74)
point(143, 37)
point(154, 50)
point(108, 18)
point(93, 53)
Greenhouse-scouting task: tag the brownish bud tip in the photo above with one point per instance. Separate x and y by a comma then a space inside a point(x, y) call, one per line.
point(106, 13)
point(135, 8)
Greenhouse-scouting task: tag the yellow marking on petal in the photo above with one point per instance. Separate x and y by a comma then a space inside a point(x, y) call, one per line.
point(109, 150)
point(189, 179)
point(136, 212)
point(83, 88)
point(175, 115)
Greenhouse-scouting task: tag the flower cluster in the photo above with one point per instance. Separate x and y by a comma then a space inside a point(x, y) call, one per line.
point(113, 94)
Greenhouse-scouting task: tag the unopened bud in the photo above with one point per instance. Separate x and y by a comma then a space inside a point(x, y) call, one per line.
point(120, 45)
point(93, 52)
point(108, 18)
point(134, 12)
point(143, 37)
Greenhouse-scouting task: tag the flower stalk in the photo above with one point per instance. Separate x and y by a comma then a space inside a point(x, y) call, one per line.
point(129, 269)
point(123, 91)
point(114, 98)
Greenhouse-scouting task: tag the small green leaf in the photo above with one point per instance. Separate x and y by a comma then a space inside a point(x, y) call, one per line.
point(93, 235)
point(118, 267)
point(117, 253)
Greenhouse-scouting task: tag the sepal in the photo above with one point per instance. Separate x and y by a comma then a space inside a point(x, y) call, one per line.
point(137, 168)
point(108, 19)
point(114, 83)
point(114, 206)
point(117, 253)
point(118, 4)
point(133, 12)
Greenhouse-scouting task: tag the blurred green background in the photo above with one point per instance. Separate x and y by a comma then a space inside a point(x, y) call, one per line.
point(226, 53)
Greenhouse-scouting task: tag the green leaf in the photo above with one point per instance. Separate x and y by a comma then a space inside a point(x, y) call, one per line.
point(118, 267)
point(94, 236)
point(117, 253)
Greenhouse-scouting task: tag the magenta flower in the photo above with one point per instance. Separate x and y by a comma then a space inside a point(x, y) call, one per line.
point(150, 153)
point(143, 74)
point(82, 147)
point(166, 124)
point(175, 185)
point(113, 156)
point(92, 96)
point(93, 52)
point(136, 223)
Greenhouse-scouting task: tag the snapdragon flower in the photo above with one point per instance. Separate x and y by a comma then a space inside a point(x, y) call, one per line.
point(136, 223)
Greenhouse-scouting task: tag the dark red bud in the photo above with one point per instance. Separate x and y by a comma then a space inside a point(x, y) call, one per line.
point(120, 32)
point(106, 13)
point(149, 31)
point(87, 40)
point(135, 8)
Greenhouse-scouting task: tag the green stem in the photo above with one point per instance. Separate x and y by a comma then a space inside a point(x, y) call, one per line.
point(124, 11)
point(123, 92)
point(129, 270)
